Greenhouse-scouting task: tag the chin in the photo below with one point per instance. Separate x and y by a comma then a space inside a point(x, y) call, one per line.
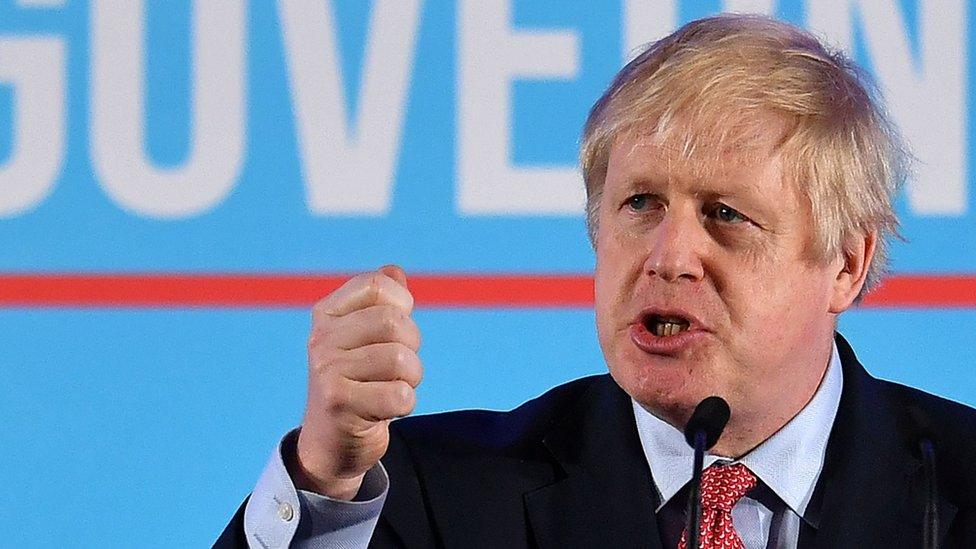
point(669, 387)
point(664, 386)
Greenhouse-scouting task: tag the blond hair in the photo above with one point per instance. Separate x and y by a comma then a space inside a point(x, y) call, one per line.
point(707, 88)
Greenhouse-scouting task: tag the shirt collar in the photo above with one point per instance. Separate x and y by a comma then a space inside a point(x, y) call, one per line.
point(789, 462)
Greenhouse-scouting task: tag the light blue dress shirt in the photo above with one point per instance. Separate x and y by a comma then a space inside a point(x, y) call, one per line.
point(788, 463)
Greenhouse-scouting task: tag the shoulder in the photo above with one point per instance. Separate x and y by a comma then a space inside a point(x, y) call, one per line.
point(882, 422)
point(943, 417)
point(950, 426)
point(914, 413)
point(484, 431)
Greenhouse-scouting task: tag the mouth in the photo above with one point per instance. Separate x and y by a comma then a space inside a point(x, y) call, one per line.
point(665, 325)
point(667, 332)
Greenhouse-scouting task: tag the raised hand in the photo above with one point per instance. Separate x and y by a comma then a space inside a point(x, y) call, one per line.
point(362, 371)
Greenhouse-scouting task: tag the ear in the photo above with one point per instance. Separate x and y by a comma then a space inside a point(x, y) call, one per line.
point(858, 254)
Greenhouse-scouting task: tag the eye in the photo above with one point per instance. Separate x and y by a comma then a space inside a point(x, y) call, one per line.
point(638, 202)
point(727, 214)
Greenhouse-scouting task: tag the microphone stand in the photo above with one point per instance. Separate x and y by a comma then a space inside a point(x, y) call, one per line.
point(926, 447)
point(930, 528)
point(701, 433)
point(694, 498)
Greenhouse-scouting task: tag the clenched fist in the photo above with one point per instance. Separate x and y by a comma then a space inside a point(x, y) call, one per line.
point(362, 372)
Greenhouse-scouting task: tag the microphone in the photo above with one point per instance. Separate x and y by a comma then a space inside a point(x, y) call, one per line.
point(702, 432)
point(930, 526)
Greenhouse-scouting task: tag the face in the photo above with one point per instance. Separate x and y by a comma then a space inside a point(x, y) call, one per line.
point(705, 285)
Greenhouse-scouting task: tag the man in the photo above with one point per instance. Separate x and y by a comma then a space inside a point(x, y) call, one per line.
point(740, 181)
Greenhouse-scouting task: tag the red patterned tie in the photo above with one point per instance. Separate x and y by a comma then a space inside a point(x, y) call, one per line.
point(722, 488)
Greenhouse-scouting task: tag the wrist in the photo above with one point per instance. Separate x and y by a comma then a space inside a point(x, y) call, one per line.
point(335, 487)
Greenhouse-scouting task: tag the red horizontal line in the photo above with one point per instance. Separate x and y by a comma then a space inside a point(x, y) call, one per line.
point(935, 291)
point(279, 290)
point(429, 290)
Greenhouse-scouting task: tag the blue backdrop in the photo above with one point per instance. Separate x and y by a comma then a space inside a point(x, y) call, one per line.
point(335, 136)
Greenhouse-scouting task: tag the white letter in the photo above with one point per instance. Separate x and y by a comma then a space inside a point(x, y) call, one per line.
point(349, 170)
point(35, 68)
point(490, 57)
point(647, 20)
point(927, 98)
point(118, 120)
point(765, 7)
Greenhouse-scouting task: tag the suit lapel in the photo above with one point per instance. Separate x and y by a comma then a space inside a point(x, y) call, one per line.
point(869, 494)
point(606, 496)
point(870, 490)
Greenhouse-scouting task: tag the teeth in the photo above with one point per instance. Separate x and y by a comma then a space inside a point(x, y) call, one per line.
point(665, 329)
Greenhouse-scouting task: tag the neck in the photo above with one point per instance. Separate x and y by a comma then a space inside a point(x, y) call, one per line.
point(751, 425)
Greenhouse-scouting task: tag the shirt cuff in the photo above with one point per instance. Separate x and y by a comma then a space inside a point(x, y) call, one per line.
point(278, 515)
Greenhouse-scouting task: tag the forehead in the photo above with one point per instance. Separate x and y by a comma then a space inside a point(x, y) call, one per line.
point(753, 166)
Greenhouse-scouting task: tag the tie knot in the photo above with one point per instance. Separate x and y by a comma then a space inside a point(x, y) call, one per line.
point(724, 485)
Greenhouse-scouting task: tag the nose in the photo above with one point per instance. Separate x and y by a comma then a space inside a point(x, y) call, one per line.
point(676, 246)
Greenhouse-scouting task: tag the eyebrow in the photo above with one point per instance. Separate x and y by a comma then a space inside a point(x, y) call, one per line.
point(745, 197)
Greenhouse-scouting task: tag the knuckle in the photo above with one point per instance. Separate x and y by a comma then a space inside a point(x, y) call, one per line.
point(406, 398)
point(320, 359)
point(401, 357)
point(409, 369)
point(413, 336)
point(405, 392)
point(417, 372)
point(322, 331)
point(390, 320)
point(336, 398)
point(316, 363)
point(315, 339)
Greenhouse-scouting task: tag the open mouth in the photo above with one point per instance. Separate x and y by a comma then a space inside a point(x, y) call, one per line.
point(664, 326)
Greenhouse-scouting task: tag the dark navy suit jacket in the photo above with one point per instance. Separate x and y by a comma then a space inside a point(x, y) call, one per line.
point(567, 470)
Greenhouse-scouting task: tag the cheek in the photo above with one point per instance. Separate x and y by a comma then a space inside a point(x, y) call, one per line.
point(602, 309)
point(753, 279)
point(618, 269)
point(605, 300)
point(614, 278)
point(777, 306)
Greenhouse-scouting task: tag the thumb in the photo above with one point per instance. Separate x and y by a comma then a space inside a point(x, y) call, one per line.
point(396, 273)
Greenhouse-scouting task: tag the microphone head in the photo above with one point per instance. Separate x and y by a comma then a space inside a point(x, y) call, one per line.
point(710, 416)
